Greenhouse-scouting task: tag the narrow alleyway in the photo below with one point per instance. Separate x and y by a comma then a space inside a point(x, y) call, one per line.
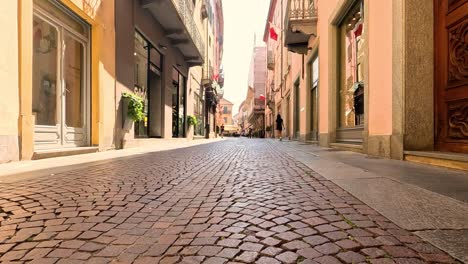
point(231, 201)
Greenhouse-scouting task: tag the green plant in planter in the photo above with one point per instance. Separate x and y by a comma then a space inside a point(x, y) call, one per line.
point(192, 120)
point(135, 106)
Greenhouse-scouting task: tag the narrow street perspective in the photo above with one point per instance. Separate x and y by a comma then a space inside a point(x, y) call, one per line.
point(234, 131)
point(234, 201)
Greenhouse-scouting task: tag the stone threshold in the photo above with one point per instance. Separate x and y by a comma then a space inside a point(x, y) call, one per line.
point(441, 159)
point(347, 146)
point(63, 152)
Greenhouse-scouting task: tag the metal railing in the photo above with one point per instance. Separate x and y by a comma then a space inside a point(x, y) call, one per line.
point(185, 9)
point(208, 72)
point(270, 60)
point(301, 10)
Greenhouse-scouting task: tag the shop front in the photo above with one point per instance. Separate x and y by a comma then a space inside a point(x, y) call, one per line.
point(350, 93)
point(60, 77)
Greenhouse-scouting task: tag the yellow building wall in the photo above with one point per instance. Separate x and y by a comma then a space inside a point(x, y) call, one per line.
point(100, 14)
point(9, 75)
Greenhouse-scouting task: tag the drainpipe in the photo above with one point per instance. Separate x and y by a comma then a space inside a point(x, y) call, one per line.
point(207, 106)
point(282, 48)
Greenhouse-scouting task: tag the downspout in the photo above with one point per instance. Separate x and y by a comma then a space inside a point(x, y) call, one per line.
point(207, 108)
point(282, 49)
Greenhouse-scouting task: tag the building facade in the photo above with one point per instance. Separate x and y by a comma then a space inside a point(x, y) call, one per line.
point(72, 66)
point(225, 113)
point(383, 78)
point(255, 99)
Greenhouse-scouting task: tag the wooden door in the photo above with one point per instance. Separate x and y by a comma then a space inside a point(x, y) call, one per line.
point(451, 75)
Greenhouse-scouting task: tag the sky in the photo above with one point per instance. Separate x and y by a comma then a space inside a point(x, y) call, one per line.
point(242, 20)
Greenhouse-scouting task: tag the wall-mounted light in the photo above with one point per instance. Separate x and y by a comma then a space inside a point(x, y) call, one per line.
point(162, 46)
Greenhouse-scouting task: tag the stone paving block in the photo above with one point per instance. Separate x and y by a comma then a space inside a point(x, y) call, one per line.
point(315, 240)
point(351, 257)
point(247, 256)
point(328, 249)
point(288, 257)
point(267, 260)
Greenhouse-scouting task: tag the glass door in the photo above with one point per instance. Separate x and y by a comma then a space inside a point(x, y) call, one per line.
point(314, 99)
point(60, 78)
point(74, 92)
point(46, 103)
point(141, 82)
point(178, 104)
point(296, 111)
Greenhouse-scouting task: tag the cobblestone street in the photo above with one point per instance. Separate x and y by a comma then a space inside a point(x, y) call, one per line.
point(231, 201)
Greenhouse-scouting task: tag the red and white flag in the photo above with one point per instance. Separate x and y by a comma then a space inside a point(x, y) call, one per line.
point(273, 34)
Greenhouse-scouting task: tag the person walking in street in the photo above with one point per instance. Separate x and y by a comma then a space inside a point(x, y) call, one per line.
point(222, 131)
point(279, 126)
point(250, 132)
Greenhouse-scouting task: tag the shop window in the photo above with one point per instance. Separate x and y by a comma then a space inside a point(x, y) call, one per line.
point(178, 104)
point(141, 81)
point(351, 88)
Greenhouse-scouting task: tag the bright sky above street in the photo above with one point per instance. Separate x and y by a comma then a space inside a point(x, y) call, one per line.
point(242, 20)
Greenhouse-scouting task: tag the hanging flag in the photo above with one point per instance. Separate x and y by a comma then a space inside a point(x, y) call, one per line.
point(273, 34)
point(262, 97)
point(358, 30)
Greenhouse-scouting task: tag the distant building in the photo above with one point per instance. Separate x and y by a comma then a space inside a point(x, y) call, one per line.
point(256, 92)
point(225, 112)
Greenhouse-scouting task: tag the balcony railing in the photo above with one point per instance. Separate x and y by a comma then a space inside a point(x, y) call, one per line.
point(185, 10)
point(270, 60)
point(302, 10)
point(176, 17)
point(300, 24)
point(207, 76)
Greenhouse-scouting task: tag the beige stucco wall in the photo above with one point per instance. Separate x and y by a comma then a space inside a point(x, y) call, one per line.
point(323, 29)
point(9, 99)
point(380, 74)
point(380, 67)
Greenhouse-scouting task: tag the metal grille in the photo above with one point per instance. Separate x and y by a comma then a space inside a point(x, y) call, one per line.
point(302, 9)
point(185, 9)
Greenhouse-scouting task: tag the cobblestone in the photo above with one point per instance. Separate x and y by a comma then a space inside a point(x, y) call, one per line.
point(232, 201)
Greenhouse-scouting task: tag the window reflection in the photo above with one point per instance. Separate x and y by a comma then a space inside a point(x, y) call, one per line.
point(351, 92)
point(74, 74)
point(45, 65)
point(141, 81)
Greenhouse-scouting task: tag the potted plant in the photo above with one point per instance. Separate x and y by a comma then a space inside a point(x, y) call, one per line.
point(135, 106)
point(192, 122)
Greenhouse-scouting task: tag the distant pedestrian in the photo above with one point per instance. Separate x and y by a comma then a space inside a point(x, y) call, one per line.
point(222, 130)
point(279, 126)
point(250, 132)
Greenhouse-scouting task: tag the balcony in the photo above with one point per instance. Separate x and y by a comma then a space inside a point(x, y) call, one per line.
point(176, 17)
point(300, 24)
point(270, 60)
point(221, 77)
point(207, 76)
